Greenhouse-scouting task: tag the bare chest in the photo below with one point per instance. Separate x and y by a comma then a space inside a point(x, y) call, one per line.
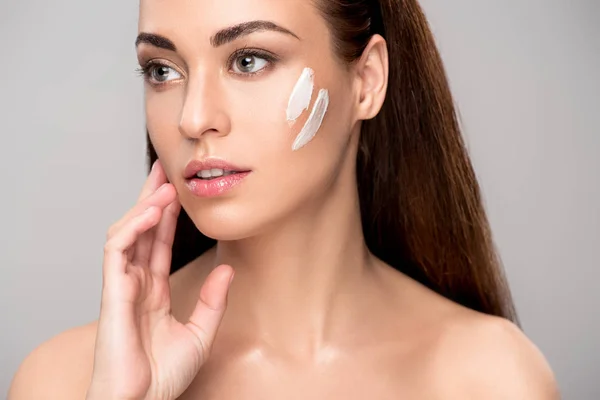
point(348, 381)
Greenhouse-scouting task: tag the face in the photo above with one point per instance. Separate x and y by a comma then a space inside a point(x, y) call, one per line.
point(224, 96)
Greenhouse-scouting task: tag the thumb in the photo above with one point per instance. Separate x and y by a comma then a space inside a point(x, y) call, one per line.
point(210, 308)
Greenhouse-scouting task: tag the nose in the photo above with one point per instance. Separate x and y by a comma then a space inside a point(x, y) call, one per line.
point(204, 110)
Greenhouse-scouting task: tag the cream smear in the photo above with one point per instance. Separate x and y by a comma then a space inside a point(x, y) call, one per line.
point(301, 95)
point(313, 123)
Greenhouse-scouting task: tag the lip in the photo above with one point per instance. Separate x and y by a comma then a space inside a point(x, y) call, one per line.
point(214, 187)
point(217, 186)
point(195, 166)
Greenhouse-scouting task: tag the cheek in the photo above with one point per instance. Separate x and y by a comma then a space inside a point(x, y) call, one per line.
point(324, 127)
point(293, 177)
point(257, 113)
point(264, 119)
point(163, 107)
point(319, 101)
point(163, 110)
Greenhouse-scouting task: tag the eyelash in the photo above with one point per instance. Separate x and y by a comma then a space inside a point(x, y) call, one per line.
point(146, 70)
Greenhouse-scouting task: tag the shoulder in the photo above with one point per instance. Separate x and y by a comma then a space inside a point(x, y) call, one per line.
point(59, 368)
point(482, 356)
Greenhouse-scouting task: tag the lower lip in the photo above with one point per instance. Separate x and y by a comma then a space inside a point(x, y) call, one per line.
point(215, 187)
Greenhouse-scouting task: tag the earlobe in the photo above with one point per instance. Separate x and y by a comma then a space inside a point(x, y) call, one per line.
point(372, 70)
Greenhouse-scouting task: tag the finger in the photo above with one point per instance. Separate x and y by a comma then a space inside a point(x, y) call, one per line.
point(207, 315)
point(155, 182)
point(115, 249)
point(164, 234)
point(155, 179)
point(143, 246)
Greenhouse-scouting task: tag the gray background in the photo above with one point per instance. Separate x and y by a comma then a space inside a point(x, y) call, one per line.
point(525, 76)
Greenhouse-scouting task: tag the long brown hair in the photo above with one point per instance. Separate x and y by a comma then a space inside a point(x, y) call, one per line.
point(421, 206)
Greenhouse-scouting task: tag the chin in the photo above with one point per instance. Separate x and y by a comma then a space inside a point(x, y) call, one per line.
point(222, 223)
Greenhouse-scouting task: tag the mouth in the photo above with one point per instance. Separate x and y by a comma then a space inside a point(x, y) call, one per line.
point(214, 173)
point(211, 168)
point(213, 177)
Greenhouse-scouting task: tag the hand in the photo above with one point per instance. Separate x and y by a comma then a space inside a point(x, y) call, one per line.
point(141, 351)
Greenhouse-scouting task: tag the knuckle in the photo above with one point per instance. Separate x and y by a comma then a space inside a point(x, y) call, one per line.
point(112, 230)
point(110, 246)
point(172, 212)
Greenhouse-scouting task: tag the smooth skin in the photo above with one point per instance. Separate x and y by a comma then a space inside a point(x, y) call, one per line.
point(163, 355)
point(311, 313)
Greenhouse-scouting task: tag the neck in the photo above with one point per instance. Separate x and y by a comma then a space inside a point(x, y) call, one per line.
point(298, 287)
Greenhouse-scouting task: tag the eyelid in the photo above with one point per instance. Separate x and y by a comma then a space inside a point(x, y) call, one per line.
point(147, 67)
point(268, 56)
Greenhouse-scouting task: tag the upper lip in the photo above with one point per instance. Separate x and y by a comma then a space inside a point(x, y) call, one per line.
point(196, 166)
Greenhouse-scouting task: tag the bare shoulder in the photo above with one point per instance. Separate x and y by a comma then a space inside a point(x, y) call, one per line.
point(459, 353)
point(482, 356)
point(59, 368)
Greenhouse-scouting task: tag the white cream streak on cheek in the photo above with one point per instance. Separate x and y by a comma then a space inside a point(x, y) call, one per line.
point(313, 123)
point(301, 95)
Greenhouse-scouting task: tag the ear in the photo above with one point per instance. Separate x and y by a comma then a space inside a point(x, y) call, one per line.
point(372, 72)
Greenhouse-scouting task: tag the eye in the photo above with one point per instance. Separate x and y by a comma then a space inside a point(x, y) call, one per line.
point(157, 73)
point(250, 61)
point(249, 64)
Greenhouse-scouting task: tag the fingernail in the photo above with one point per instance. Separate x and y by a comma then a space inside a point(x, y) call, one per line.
point(231, 279)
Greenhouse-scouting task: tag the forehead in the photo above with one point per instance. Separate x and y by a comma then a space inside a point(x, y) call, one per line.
point(201, 18)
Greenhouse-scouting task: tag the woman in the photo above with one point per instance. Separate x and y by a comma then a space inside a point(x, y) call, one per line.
point(314, 149)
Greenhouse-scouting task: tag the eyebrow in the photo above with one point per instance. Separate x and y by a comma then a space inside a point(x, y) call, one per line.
point(237, 31)
point(155, 40)
point(222, 37)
